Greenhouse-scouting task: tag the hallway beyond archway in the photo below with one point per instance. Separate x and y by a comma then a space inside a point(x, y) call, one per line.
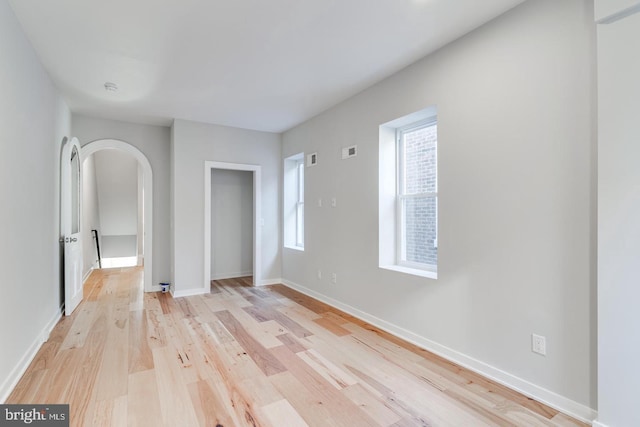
point(147, 203)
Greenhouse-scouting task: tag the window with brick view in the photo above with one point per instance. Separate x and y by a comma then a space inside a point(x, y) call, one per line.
point(417, 198)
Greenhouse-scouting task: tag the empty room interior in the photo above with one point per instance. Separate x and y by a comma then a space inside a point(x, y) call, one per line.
point(354, 212)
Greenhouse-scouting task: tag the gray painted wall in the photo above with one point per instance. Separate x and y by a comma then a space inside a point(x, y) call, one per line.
point(516, 108)
point(117, 181)
point(33, 122)
point(117, 185)
point(618, 218)
point(231, 223)
point(90, 215)
point(153, 141)
point(194, 143)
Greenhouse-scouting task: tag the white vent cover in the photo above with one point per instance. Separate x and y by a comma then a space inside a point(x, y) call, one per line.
point(312, 159)
point(349, 151)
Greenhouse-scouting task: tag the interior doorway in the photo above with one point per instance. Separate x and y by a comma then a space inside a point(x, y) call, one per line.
point(142, 240)
point(232, 174)
point(231, 224)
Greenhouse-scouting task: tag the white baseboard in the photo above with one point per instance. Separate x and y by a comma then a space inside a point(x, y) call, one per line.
point(232, 275)
point(597, 423)
point(189, 292)
point(550, 398)
point(94, 266)
point(12, 380)
point(265, 282)
point(87, 274)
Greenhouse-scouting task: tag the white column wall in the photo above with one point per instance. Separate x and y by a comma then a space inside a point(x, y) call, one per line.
point(618, 217)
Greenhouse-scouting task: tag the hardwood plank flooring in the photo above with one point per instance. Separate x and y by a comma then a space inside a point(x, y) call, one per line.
point(243, 356)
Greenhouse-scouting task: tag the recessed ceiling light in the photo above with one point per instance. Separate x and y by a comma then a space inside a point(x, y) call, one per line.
point(110, 87)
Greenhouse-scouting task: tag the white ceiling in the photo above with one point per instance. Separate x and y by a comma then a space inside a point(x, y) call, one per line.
point(257, 64)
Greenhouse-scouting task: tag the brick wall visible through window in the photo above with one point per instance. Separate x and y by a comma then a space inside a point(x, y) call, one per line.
point(417, 195)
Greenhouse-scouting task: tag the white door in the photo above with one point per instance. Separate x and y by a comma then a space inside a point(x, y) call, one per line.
point(70, 170)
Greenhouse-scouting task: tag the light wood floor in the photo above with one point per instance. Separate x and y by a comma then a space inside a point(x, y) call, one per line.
point(244, 356)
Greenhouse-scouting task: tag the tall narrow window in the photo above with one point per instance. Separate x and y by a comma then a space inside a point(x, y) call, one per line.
point(294, 202)
point(417, 195)
point(300, 205)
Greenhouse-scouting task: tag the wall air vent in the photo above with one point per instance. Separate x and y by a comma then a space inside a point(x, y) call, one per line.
point(349, 151)
point(312, 159)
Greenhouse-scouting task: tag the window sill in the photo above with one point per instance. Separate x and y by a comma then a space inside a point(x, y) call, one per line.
point(295, 248)
point(412, 271)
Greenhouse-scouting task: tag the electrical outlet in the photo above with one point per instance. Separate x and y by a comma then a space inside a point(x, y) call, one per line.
point(334, 202)
point(539, 344)
point(319, 202)
point(334, 278)
point(319, 274)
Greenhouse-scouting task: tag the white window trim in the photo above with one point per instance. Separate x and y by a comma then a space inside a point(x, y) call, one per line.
point(389, 212)
point(293, 207)
point(413, 271)
point(300, 205)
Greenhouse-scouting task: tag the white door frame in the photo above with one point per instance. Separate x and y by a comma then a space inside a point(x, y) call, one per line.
point(257, 217)
point(115, 144)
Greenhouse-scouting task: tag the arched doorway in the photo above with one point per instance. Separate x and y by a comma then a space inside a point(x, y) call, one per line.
point(115, 144)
